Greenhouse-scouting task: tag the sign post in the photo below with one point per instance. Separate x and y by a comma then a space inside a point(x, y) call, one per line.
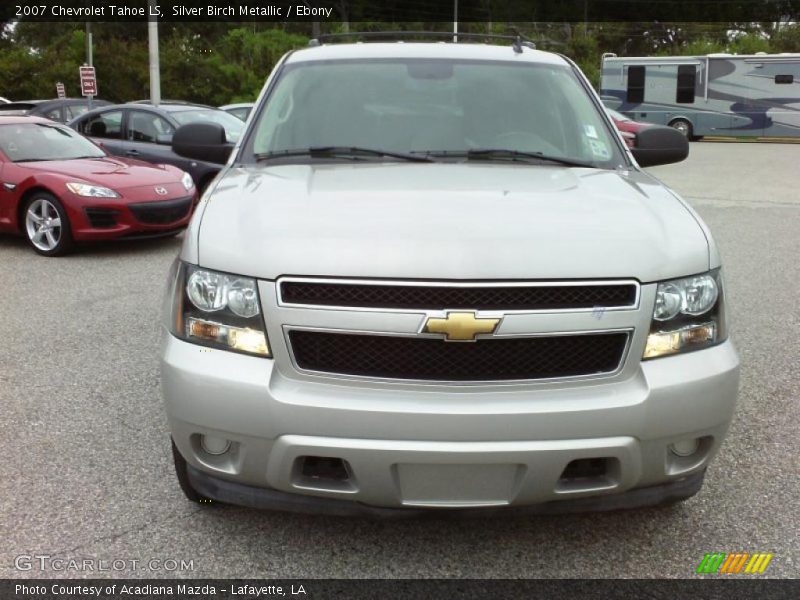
point(60, 90)
point(88, 83)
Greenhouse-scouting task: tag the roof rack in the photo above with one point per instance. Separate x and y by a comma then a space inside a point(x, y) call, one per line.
point(519, 41)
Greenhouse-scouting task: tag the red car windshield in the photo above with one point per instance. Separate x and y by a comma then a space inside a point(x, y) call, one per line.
point(25, 142)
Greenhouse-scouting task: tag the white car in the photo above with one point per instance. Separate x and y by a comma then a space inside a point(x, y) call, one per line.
point(431, 276)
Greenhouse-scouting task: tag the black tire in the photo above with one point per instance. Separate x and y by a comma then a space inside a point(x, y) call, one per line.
point(684, 126)
point(43, 206)
point(182, 473)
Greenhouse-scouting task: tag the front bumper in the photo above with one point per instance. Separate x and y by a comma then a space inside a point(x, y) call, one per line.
point(104, 219)
point(230, 492)
point(446, 448)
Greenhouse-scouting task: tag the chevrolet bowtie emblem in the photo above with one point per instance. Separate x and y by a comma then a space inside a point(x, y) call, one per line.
point(460, 326)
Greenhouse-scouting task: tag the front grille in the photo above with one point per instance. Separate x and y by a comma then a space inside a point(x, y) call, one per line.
point(102, 218)
point(443, 297)
point(161, 213)
point(419, 358)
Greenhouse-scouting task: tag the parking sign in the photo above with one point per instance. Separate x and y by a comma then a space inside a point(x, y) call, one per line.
point(88, 81)
point(60, 90)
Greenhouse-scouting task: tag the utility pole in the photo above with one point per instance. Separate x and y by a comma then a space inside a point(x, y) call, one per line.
point(152, 47)
point(315, 28)
point(455, 20)
point(89, 57)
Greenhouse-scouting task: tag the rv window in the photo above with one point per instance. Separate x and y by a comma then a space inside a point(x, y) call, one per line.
point(636, 84)
point(686, 79)
point(784, 78)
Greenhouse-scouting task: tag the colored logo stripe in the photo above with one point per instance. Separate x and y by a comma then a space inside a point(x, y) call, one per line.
point(758, 564)
point(719, 562)
point(734, 562)
point(711, 563)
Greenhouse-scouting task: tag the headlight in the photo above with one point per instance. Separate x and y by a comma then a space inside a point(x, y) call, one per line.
point(187, 181)
point(688, 296)
point(689, 314)
point(217, 309)
point(94, 191)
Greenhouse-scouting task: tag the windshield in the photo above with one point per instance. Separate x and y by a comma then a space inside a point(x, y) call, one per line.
point(447, 107)
point(22, 142)
point(233, 126)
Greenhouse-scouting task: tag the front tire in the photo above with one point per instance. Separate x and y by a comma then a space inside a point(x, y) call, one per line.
point(46, 225)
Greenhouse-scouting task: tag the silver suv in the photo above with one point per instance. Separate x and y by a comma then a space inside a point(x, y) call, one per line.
point(433, 277)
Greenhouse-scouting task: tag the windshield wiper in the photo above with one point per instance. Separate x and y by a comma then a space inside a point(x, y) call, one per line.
point(354, 152)
point(505, 154)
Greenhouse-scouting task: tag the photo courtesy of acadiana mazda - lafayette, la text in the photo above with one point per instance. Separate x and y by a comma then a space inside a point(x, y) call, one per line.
point(432, 277)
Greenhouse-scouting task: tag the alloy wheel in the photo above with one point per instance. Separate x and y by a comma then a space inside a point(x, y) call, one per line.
point(43, 224)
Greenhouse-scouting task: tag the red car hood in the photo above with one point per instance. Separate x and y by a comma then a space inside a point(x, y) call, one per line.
point(630, 126)
point(112, 172)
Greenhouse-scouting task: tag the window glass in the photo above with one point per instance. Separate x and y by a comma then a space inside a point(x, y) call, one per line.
point(240, 113)
point(106, 125)
point(23, 142)
point(148, 127)
point(75, 110)
point(636, 79)
point(54, 114)
point(233, 126)
point(425, 105)
point(687, 75)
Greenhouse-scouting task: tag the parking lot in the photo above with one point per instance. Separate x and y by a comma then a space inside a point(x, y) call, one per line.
point(87, 471)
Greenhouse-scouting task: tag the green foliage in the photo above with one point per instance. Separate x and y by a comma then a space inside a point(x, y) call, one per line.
point(220, 62)
point(749, 43)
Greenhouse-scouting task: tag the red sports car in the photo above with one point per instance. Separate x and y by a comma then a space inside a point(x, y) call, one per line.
point(59, 188)
point(627, 126)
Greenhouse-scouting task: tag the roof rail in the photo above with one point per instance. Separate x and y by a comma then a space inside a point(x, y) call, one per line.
point(518, 40)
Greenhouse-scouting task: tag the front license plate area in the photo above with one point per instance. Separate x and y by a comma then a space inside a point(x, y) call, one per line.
point(457, 485)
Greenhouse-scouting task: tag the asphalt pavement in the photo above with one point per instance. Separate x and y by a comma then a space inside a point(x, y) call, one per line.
point(87, 473)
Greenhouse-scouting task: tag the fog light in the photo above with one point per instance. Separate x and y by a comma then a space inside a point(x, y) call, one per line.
point(214, 445)
point(685, 447)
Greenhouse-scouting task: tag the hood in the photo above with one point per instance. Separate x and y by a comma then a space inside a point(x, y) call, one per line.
point(448, 221)
point(113, 172)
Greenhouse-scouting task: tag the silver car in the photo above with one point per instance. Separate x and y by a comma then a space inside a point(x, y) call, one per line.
point(432, 277)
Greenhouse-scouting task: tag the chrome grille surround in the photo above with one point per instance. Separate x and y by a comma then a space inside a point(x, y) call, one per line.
point(293, 318)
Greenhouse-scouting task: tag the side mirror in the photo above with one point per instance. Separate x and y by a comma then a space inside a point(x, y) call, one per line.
point(659, 145)
point(202, 141)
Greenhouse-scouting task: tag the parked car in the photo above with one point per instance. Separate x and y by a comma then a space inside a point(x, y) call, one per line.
point(139, 130)
point(627, 126)
point(176, 102)
point(59, 109)
point(410, 291)
point(59, 189)
point(240, 110)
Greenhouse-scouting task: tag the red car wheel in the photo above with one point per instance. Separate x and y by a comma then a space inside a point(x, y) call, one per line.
point(46, 225)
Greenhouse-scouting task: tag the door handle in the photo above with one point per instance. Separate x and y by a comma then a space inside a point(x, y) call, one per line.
point(132, 153)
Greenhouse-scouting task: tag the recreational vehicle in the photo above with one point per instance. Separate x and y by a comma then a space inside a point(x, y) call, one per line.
point(718, 94)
